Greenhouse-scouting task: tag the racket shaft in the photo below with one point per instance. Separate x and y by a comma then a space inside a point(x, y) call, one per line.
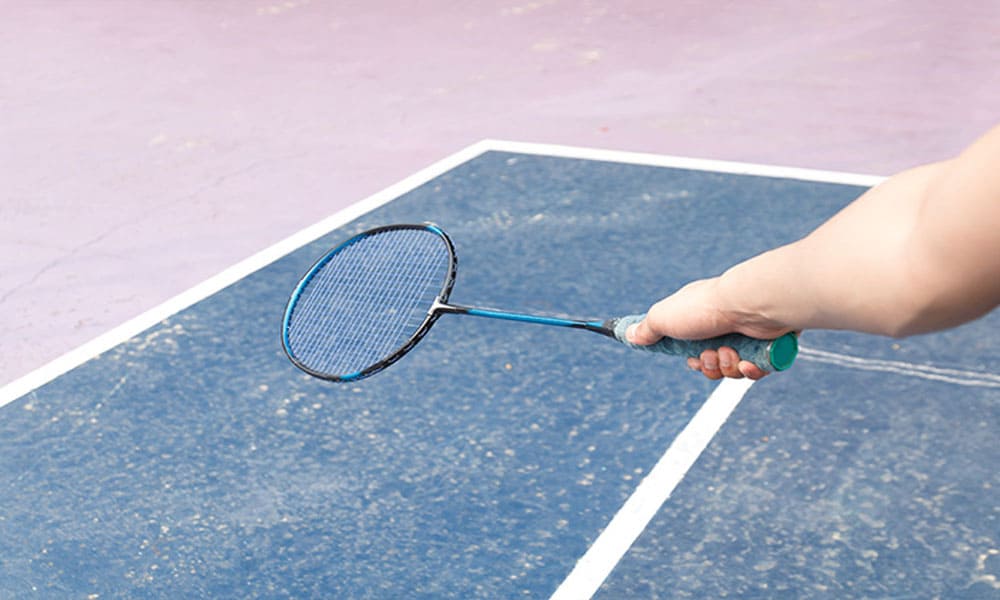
point(492, 313)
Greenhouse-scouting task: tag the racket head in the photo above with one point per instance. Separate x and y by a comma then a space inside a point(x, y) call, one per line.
point(367, 302)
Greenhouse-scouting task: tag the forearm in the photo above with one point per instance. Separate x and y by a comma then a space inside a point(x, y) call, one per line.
point(919, 252)
point(850, 273)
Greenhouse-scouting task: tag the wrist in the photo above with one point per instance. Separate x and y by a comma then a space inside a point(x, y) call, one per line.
point(751, 295)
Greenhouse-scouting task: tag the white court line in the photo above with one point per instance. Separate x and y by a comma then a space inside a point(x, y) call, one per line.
point(633, 517)
point(681, 162)
point(137, 325)
point(113, 337)
point(631, 520)
point(952, 376)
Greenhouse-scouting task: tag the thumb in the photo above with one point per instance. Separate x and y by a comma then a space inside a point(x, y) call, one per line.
point(641, 334)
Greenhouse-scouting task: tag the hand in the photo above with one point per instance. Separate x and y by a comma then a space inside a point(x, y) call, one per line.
point(697, 311)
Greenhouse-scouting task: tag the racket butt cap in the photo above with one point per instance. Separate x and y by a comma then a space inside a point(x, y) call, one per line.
point(783, 350)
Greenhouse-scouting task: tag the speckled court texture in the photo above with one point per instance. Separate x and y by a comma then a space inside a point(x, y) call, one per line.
point(195, 461)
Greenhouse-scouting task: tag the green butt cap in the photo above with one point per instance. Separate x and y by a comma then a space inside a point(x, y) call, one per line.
point(783, 351)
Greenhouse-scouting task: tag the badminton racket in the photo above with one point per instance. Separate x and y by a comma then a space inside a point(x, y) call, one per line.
point(367, 302)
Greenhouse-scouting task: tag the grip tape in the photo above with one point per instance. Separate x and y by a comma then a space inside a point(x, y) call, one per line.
point(770, 355)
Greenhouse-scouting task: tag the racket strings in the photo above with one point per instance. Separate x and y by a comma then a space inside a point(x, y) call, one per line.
point(346, 298)
point(368, 300)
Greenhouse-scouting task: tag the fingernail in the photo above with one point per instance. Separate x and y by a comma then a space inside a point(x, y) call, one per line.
point(630, 332)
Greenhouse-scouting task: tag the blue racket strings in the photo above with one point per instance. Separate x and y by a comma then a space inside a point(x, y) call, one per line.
point(366, 299)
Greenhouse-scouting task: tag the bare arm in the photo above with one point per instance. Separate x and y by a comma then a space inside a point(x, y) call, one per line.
point(918, 253)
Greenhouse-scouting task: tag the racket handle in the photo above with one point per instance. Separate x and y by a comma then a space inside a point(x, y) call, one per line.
point(770, 355)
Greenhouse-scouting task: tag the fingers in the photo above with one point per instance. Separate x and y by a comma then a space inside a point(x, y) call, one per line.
point(751, 371)
point(725, 362)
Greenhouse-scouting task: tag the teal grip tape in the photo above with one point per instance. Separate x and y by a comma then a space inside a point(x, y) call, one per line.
point(770, 355)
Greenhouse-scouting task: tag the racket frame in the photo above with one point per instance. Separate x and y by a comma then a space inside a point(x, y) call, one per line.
point(398, 353)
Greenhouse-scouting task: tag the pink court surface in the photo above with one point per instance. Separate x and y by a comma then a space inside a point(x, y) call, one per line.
point(147, 146)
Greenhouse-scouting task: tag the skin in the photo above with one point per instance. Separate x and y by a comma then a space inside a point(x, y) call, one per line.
point(918, 253)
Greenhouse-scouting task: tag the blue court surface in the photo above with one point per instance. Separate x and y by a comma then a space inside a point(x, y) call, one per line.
point(503, 460)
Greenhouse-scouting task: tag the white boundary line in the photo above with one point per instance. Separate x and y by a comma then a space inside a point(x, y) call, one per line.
point(74, 358)
point(633, 517)
point(952, 376)
point(680, 162)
